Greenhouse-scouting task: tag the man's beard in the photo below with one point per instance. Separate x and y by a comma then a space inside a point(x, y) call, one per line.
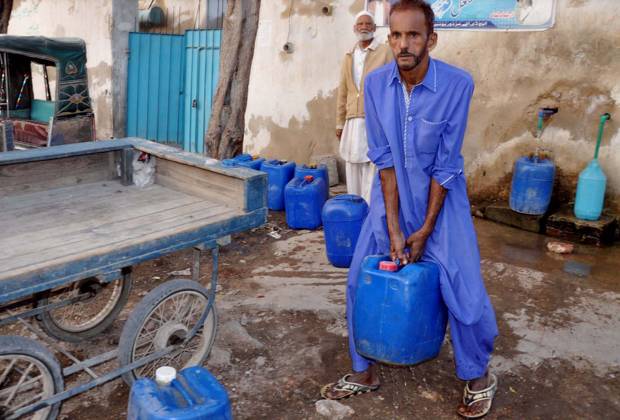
point(417, 59)
point(364, 36)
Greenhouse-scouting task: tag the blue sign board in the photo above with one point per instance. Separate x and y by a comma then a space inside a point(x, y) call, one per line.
point(503, 15)
point(528, 15)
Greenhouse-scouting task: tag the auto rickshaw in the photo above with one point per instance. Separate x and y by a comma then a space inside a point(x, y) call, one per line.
point(44, 97)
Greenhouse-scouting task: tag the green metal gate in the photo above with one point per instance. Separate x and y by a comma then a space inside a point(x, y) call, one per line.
point(171, 82)
point(202, 62)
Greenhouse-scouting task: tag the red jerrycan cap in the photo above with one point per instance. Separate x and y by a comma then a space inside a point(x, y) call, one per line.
point(388, 266)
point(308, 178)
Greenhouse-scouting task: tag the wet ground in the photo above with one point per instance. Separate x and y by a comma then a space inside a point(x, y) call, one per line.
point(282, 332)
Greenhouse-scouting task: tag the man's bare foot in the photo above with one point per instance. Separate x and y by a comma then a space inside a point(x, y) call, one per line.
point(367, 379)
point(478, 408)
point(480, 383)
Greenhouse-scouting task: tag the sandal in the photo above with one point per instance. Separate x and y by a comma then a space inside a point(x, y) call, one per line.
point(471, 397)
point(347, 388)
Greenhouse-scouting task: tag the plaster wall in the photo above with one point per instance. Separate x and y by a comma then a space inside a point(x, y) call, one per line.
point(574, 66)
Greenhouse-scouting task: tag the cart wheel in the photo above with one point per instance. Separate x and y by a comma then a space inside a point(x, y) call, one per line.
point(28, 373)
point(87, 318)
point(162, 318)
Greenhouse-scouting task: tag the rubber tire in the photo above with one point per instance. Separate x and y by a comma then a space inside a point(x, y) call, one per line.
point(10, 344)
point(133, 324)
point(54, 330)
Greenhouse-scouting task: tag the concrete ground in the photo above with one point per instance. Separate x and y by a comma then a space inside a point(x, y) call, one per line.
point(282, 332)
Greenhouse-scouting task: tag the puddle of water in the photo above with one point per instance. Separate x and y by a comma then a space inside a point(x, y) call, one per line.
point(577, 268)
point(585, 333)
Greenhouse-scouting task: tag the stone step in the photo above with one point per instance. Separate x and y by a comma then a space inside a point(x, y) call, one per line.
point(560, 224)
point(502, 213)
point(564, 224)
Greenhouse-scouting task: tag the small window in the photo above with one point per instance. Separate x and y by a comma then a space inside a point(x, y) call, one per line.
point(216, 9)
point(43, 82)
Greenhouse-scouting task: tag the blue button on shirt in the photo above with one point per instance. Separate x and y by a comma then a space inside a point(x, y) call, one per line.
point(420, 135)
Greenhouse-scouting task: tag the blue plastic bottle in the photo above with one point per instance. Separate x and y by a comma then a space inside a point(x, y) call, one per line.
point(343, 217)
point(232, 162)
point(279, 173)
point(317, 171)
point(304, 199)
point(245, 160)
point(399, 315)
point(254, 163)
point(590, 196)
point(532, 185)
point(590, 192)
point(244, 157)
point(194, 394)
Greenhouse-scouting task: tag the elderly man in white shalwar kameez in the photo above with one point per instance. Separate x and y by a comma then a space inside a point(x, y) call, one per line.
point(367, 55)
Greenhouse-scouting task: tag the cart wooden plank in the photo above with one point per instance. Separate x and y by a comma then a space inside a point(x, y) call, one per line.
point(118, 223)
point(45, 175)
point(93, 211)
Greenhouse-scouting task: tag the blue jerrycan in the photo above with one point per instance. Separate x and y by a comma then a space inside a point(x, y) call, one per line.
point(234, 161)
point(533, 176)
point(192, 394)
point(399, 316)
point(245, 160)
point(304, 199)
point(279, 173)
point(532, 185)
point(343, 217)
point(254, 163)
point(590, 195)
point(317, 171)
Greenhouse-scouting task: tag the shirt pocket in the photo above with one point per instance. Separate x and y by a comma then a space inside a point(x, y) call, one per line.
point(425, 141)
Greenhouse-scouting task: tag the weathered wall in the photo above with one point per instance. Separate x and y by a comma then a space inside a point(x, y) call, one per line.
point(181, 15)
point(124, 13)
point(94, 22)
point(575, 66)
point(292, 97)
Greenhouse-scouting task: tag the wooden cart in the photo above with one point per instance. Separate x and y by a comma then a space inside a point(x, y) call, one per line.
point(72, 224)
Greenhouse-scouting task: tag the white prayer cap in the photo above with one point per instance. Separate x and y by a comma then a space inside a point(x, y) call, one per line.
point(365, 13)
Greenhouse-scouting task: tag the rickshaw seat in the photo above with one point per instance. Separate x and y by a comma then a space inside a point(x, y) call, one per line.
point(41, 110)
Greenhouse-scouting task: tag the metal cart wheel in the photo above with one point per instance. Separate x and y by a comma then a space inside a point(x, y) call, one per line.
point(87, 318)
point(164, 317)
point(28, 373)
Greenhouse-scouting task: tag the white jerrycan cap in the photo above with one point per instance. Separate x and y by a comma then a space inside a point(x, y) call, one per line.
point(165, 374)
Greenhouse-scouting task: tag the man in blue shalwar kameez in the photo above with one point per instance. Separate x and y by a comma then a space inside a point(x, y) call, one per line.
point(416, 114)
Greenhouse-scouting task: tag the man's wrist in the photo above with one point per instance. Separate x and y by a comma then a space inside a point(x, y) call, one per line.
point(426, 230)
point(394, 232)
